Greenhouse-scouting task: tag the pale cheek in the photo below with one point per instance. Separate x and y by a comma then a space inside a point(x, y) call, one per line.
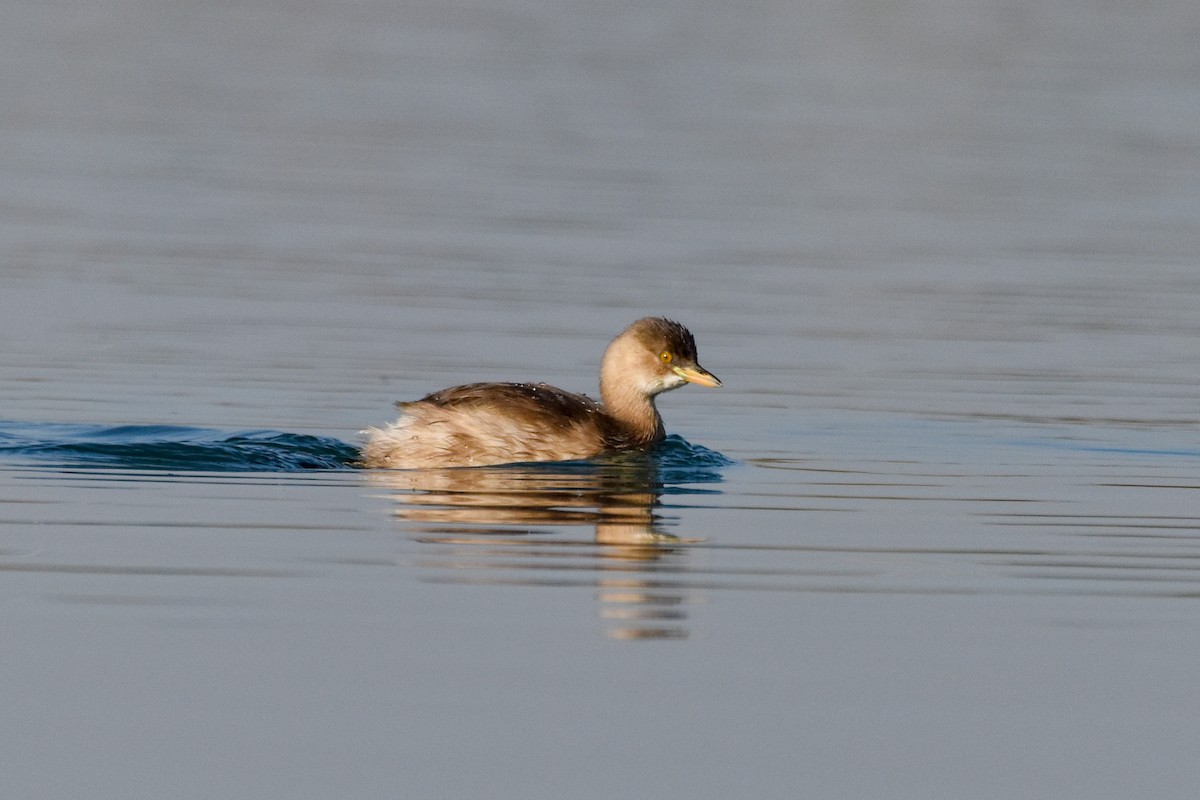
point(669, 381)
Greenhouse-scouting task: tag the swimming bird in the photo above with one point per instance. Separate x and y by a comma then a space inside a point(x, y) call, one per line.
point(481, 424)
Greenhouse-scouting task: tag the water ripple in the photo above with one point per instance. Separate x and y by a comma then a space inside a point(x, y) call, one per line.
point(169, 447)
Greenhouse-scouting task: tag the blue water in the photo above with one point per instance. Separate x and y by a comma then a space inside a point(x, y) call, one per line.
point(165, 447)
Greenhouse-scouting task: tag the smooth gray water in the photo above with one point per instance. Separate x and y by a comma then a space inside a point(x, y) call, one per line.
point(943, 255)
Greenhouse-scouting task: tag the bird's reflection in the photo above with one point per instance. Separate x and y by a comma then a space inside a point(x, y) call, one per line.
point(496, 523)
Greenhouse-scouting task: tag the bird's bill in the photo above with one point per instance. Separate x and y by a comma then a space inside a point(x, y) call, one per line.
point(698, 375)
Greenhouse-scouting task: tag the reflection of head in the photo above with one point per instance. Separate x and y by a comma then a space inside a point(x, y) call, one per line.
point(483, 517)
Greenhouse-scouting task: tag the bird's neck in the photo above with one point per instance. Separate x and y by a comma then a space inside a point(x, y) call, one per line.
point(626, 401)
point(634, 412)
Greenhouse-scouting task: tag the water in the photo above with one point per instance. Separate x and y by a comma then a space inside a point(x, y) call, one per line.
point(937, 537)
point(164, 447)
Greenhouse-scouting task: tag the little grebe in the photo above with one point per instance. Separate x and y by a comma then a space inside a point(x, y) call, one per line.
point(499, 423)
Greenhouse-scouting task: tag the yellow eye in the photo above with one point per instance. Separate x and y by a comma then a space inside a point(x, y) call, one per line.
point(666, 357)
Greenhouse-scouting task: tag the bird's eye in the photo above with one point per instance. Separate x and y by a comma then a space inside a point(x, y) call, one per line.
point(666, 357)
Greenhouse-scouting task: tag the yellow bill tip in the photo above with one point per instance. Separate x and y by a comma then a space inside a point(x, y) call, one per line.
point(698, 375)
